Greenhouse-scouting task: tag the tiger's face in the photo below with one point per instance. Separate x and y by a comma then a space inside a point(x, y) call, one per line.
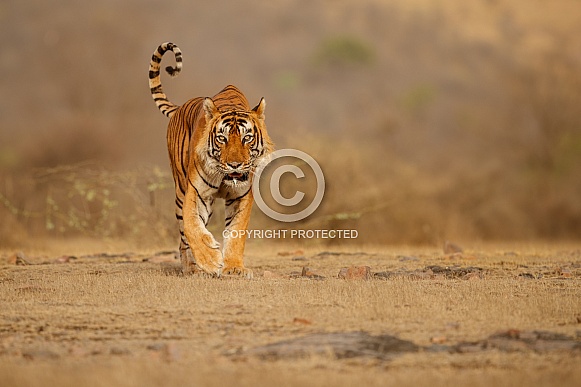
point(236, 142)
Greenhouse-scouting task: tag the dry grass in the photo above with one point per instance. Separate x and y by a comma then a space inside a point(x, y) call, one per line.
point(122, 321)
point(431, 120)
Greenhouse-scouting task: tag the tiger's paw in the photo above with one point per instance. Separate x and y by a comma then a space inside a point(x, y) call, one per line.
point(240, 271)
point(209, 261)
point(199, 273)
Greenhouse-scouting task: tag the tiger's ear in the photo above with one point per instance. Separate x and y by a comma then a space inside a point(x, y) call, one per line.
point(209, 108)
point(259, 109)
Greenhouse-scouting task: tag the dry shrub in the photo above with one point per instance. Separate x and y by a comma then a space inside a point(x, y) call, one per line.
point(90, 201)
point(430, 123)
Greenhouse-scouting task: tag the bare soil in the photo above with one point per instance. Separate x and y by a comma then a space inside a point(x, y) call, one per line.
point(506, 315)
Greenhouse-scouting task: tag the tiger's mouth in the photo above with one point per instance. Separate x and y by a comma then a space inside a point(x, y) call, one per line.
point(237, 177)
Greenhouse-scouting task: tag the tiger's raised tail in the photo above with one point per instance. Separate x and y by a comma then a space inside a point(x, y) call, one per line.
point(161, 101)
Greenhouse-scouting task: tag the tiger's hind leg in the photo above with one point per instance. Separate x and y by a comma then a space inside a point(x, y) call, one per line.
point(186, 256)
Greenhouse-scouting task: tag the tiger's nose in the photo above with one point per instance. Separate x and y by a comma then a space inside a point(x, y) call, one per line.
point(234, 164)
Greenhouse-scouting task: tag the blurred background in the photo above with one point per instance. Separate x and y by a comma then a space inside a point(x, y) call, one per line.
point(431, 120)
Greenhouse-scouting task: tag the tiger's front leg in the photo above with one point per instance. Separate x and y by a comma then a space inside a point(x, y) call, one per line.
point(237, 218)
point(205, 250)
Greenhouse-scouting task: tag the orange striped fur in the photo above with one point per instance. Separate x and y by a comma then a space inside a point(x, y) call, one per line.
point(214, 145)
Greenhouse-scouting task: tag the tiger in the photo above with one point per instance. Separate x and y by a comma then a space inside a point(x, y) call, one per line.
point(215, 145)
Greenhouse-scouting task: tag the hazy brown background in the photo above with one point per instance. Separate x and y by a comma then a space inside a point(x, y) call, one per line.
point(431, 120)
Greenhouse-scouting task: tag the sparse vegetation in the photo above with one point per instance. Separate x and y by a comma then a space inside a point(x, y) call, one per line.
point(344, 51)
point(91, 201)
point(431, 121)
point(442, 123)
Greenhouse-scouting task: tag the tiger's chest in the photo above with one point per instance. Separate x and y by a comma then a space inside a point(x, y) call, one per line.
point(208, 191)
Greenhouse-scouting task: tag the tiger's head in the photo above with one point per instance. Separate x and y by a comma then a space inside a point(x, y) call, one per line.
point(236, 142)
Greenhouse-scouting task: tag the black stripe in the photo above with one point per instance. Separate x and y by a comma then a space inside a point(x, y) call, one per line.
point(179, 217)
point(153, 74)
point(156, 89)
point(202, 177)
point(155, 58)
point(161, 50)
point(202, 219)
point(182, 190)
point(182, 152)
point(199, 196)
point(229, 202)
point(229, 219)
point(210, 142)
point(171, 71)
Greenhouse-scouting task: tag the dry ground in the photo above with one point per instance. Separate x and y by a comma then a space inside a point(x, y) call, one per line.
point(131, 319)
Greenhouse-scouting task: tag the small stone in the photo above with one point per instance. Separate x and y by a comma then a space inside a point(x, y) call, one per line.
point(166, 351)
point(307, 272)
point(355, 272)
point(512, 333)
point(438, 339)
point(63, 259)
point(526, 276)
point(472, 276)
point(469, 347)
point(289, 253)
point(18, 259)
point(566, 273)
point(303, 321)
point(405, 258)
point(157, 347)
point(299, 258)
point(452, 248)
point(381, 274)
